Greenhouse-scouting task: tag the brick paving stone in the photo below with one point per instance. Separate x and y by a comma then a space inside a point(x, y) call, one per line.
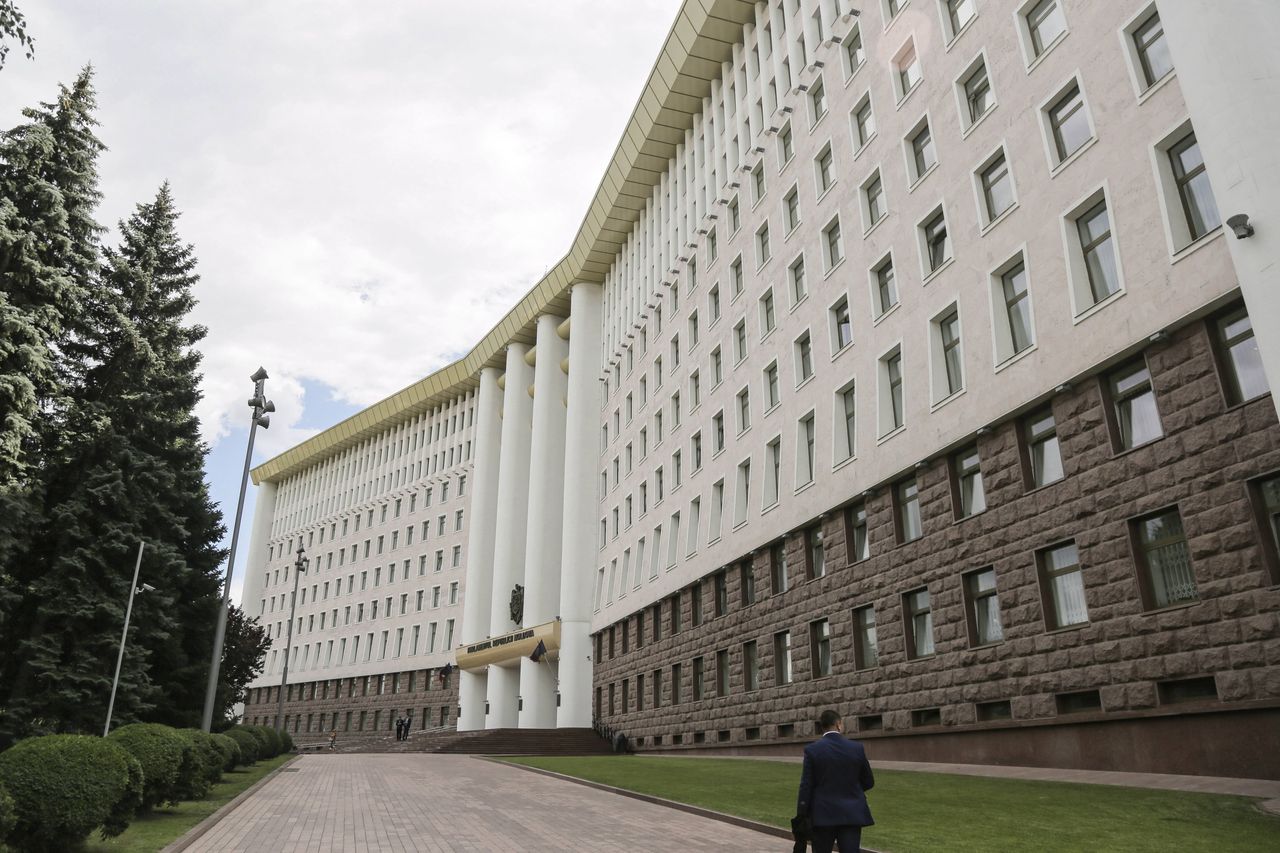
point(438, 803)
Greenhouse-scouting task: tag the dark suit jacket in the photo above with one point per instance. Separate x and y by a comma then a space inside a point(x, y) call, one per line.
point(833, 783)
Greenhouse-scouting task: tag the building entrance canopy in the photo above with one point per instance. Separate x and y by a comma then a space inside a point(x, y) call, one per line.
point(510, 648)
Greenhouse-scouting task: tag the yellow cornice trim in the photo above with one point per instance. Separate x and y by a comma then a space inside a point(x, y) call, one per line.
point(700, 38)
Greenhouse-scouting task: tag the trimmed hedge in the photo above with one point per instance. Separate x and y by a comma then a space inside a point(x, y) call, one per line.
point(163, 755)
point(248, 743)
point(274, 744)
point(286, 741)
point(266, 743)
point(229, 749)
point(203, 769)
point(64, 787)
point(128, 805)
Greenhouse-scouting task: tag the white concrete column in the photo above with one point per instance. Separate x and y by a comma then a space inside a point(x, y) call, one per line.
point(546, 517)
point(264, 510)
point(1229, 72)
point(578, 552)
point(472, 686)
point(512, 516)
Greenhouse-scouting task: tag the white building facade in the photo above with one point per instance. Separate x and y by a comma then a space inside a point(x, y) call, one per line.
point(869, 292)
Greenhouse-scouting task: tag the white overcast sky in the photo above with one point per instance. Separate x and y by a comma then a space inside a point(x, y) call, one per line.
point(368, 186)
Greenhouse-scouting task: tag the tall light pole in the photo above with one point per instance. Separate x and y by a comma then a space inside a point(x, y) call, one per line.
point(124, 635)
point(299, 566)
point(261, 407)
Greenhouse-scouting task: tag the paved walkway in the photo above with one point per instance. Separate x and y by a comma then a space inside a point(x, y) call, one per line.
point(434, 803)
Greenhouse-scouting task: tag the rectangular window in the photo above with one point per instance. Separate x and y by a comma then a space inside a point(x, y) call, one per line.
point(750, 666)
point(768, 320)
point(997, 187)
point(771, 385)
point(906, 496)
point(983, 607)
point(833, 248)
point(820, 648)
point(773, 470)
point(970, 498)
point(1062, 586)
point(675, 683)
point(978, 96)
point(948, 341)
point(841, 326)
point(824, 166)
point(786, 146)
point(1264, 495)
point(762, 245)
point(1135, 419)
point(747, 583)
point(816, 554)
point(918, 620)
point(857, 545)
point(1238, 357)
point(1017, 307)
point(782, 658)
point(1198, 206)
point(817, 101)
point(791, 209)
point(893, 385)
point(699, 677)
point(886, 287)
point(1098, 251)
point(778, 568)
point(959, 13)
point(1043, 453)
point(936, 242)
point(1164, 559)
point(1045, 23)
point(744, 409)
point(864, 122)
point(722, 672)
point(873, 199)
point(865, 652)
point(923, 155)
point(795, 276)
point(908, 71)
point(804, 358)
point(1069, 122)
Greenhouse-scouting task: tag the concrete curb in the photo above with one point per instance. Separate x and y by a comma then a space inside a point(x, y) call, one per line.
point(194, 833)
point(745, 823)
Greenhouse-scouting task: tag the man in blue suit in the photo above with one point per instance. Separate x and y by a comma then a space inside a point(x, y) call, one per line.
point(833, 788)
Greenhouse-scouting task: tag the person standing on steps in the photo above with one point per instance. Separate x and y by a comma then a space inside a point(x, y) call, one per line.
point(832, 803)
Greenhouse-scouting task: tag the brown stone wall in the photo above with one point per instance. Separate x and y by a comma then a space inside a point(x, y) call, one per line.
point(321, 699)
point(1125, 652)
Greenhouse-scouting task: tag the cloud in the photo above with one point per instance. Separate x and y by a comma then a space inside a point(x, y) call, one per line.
point(368, 187)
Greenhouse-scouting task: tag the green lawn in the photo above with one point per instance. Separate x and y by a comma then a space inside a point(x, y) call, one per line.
point(932, 811)
point(151, 832)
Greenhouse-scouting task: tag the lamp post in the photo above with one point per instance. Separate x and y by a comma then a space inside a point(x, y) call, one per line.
point(124, 635)
point(261, 406)
point(299, 566)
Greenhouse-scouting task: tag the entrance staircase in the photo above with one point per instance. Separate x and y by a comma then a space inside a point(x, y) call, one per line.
point(453, 742)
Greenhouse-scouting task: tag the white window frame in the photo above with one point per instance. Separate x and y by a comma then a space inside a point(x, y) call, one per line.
point(1137, 76)
point(915, 178)
point(885, 427)
point(1176, 231)
point(962, 98)
point(1024, 34)
point(985, 221)
point(1077, 274)
point(940, 392)
point(1057, 166)
point(1001, 331)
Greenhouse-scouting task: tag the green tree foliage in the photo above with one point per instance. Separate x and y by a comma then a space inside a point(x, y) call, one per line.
point(244, 653)
point(64, 787)
point(14, 26)
point(230, 751)
point(249, 744)
point(207, 763)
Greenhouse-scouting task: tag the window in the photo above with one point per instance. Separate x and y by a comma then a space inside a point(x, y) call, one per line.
point(1264, 494)
point(735, 216)
point(735, 276)
point(1164, 560)
point(833, 249)
point(923, 155)
point(762, 245)
point(1069, 122)
point(1152, 51)
point(1013, 322)
point(713, 303)
point(983, 607)
point(841, 327)
point(891, 402)
point(906, 497)
point(857, 545)
point(937, 245)
point(786, 144)
point(750, 666)
point(997, 188)
point(717, 367)
point(948, 371)
point(907, 66)
point(782, 658)
point(721, 587)
point(778, 568)
point(854, 53)
point(1043, 454)
point(919, 624)
point(1135, 419)
point(1045, 24)
point(817, 101)
point(742, 498)
point(791, 209)
point(886, 288)
point(978, 97)
point(771, 385)
point(675, 683)
point(795, 275)
point(1097, 250)
point(695, 603)
point(970, 498)
point(768, 320)
point(747, 582)
point(816, 556)
point(757, 182)
point(864, 122)
point(824, 169)
point(1238, 357)
point(722, 673)
point(804, 358)
point(1062, 586)
point(1198, 206)
point(873, 200)
point(805, 448)
point(865, 653)
point(820, 648)
point(744, 410)
point(717, 432)
point(773, 456)
point(959, 14)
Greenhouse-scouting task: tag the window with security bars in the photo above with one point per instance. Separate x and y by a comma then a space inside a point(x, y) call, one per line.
point(983, 607)
point(1062, 586)
point(1164, 559)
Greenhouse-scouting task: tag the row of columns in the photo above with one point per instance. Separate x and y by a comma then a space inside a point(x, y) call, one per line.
point(532, 505)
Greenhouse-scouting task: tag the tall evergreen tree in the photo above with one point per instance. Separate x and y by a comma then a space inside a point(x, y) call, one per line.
point(128, 468)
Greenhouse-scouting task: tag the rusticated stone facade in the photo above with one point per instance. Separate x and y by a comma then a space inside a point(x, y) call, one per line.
point(362, 704)
point(1121, 690)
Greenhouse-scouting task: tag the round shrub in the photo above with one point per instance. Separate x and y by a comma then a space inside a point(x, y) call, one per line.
point(7, 816)
point(286, 741)
point(275, 745)
point(229, 749)
point(266, 740)
point(63, 787)
point(203, 765)
point(161, 752)
point(248, 743)
point(128, 804)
